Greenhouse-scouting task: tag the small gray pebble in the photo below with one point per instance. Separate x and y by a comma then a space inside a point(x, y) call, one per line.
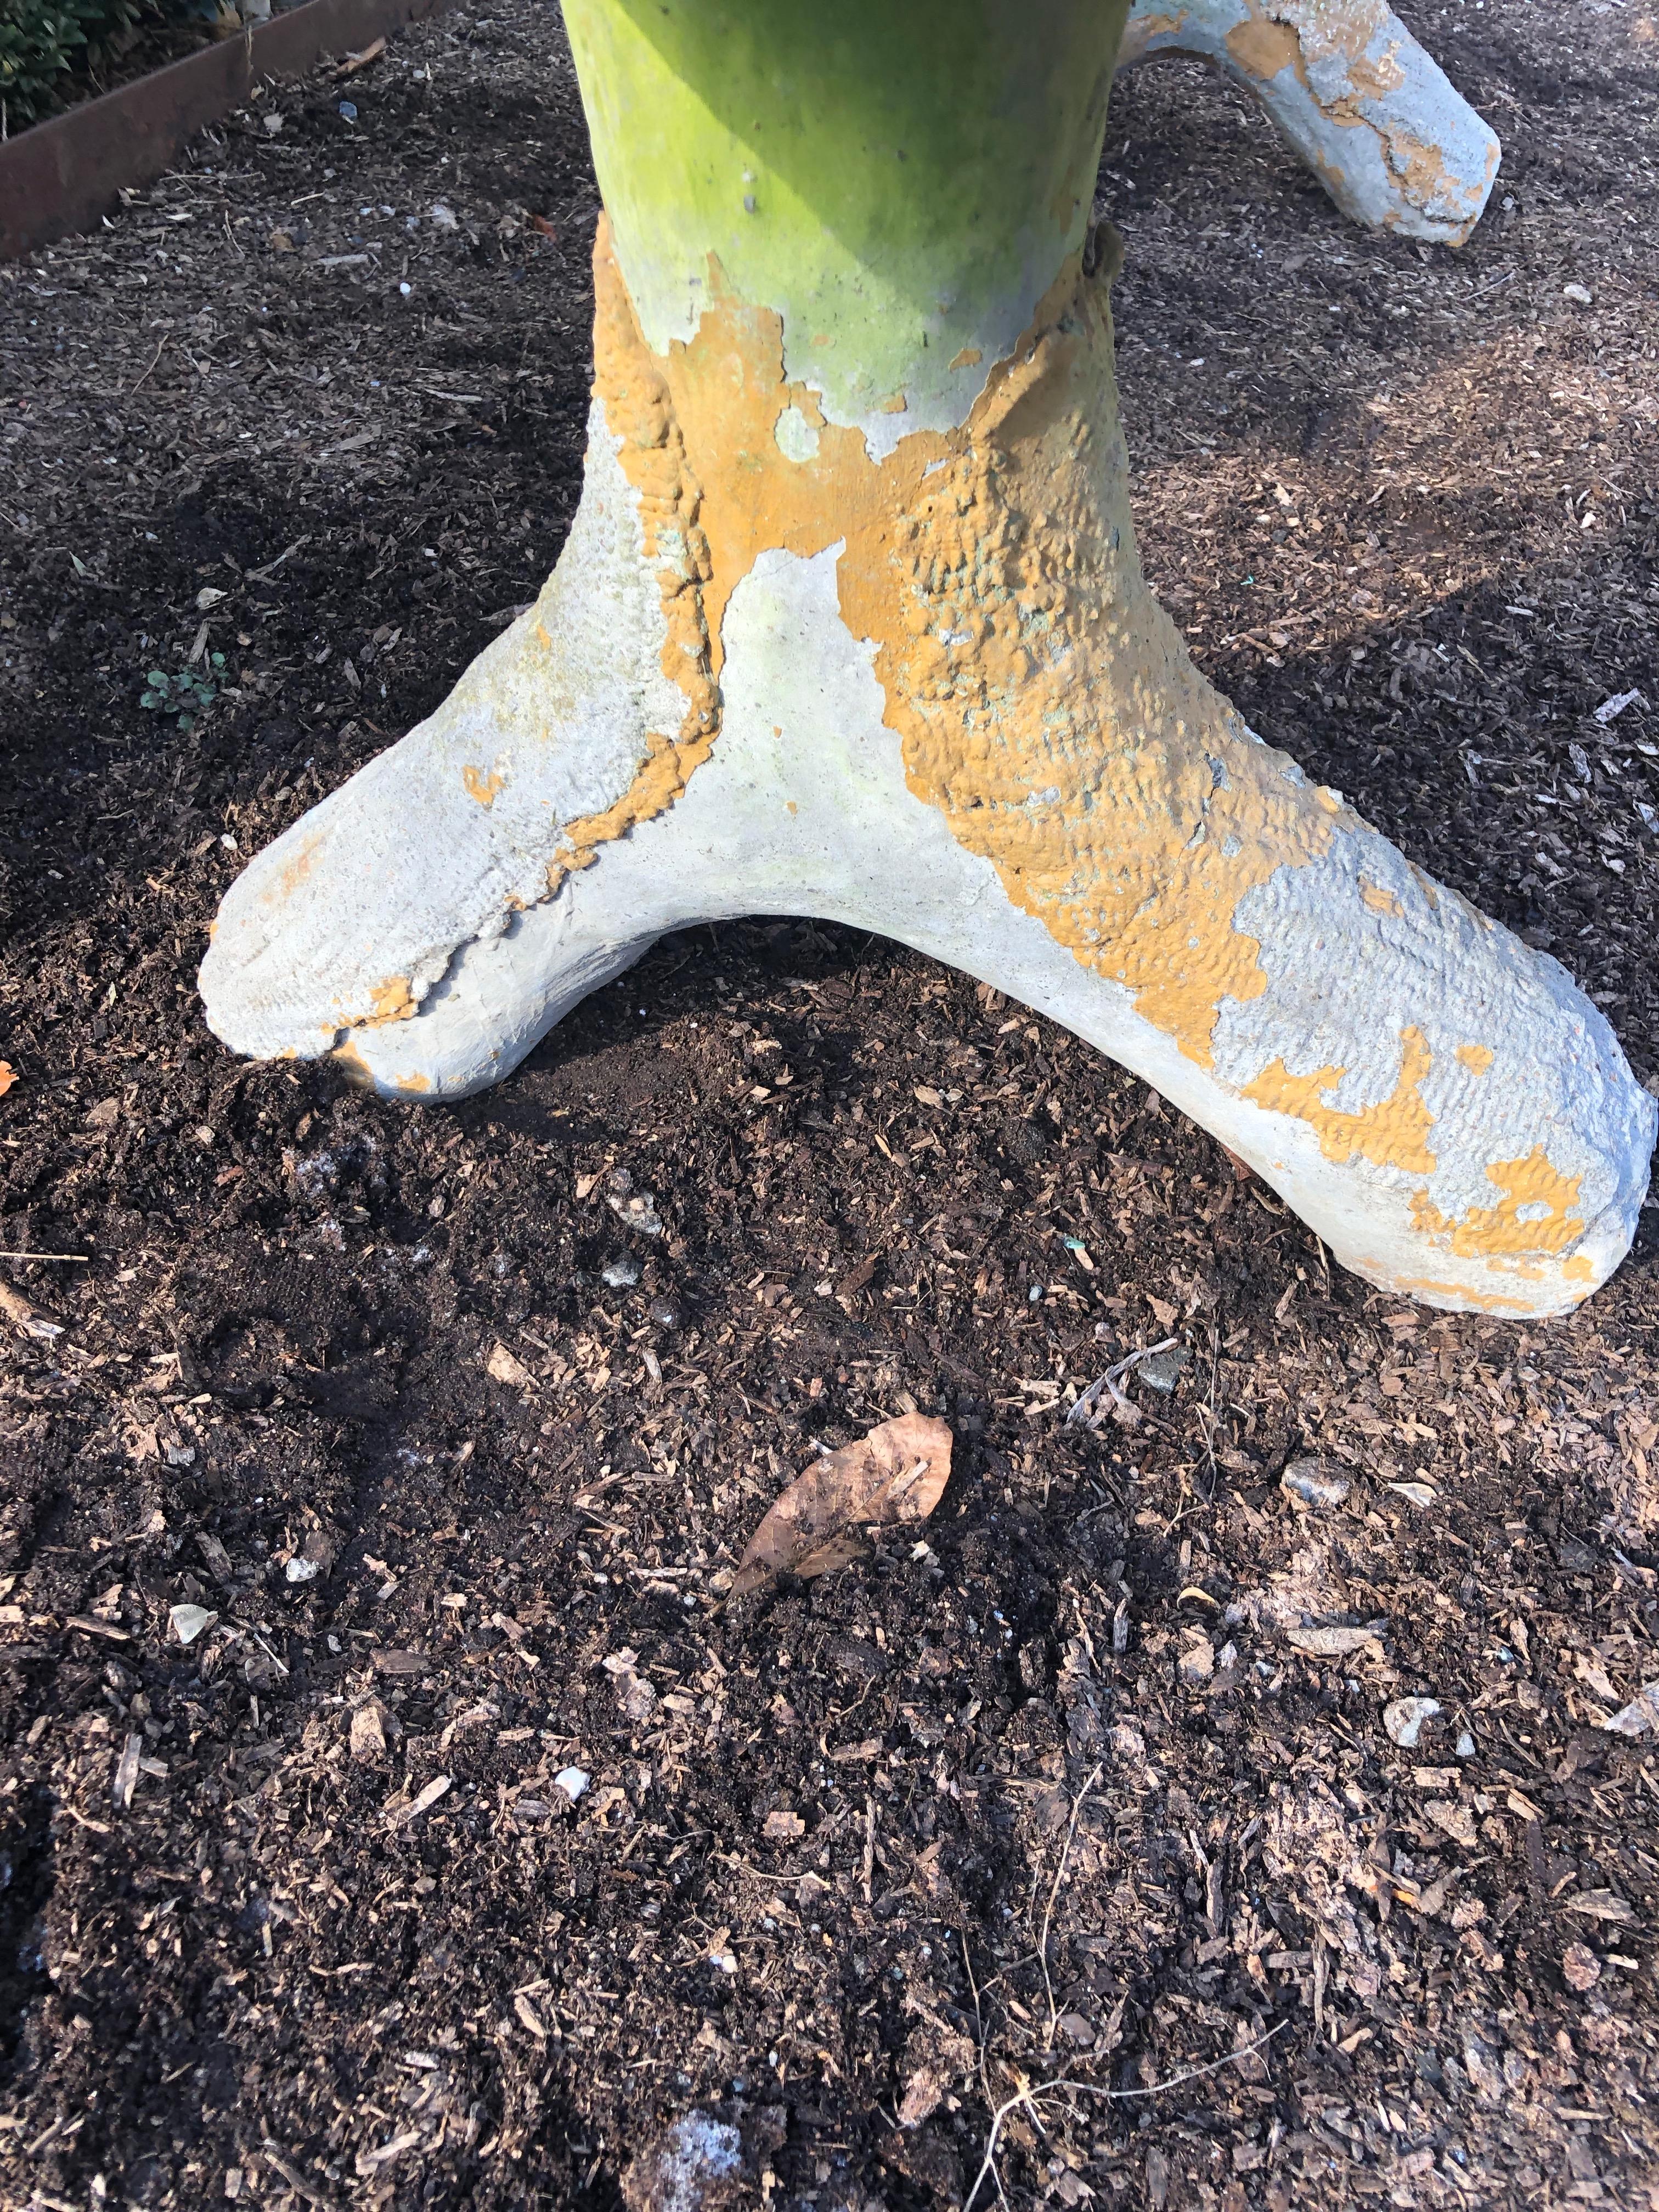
point(1310, 1482)
point(665, 1312)
point(1163, 1370)
point(622, 1273)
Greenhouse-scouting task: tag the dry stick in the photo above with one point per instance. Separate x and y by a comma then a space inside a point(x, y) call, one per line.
point(1025, 2094)
point(81, 1259)
point(1060, 1876)
point(1209, 1427)
point(984, 2078)
point(1082, 1412)
point(154, 358)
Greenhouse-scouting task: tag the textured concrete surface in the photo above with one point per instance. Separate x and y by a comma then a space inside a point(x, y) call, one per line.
point(1392, 140)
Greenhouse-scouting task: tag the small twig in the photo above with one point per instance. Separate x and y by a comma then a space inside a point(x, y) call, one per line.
point(1082, 1411)
point(263, 1645)
point(1049, 1911)
point(761, 1875)
point(81, 1259)
point(1026, 2095)
point(979, 2023)
point(1209, 1427)
point(263, 575)
point(154, 358)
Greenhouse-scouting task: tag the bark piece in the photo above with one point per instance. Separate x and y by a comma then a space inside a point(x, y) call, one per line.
point(1332, 1642)
point(504, 1368)
point(896, 1473)
point(16, 1308)
point(1580, 1967)
point(937, 2058)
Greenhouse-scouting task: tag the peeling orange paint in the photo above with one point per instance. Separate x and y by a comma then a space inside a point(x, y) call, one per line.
point(356, 1069)
point(1043, 701)
point(484, 788)
point(392, 1001)
point(1477, 1058)
point(1393, 1133)
point(1495, 1231)
point(1350, 58)
point(630, 382)
point(1374, 80)
point(970, 358)
point(1262, 48)
point(1460, 1294)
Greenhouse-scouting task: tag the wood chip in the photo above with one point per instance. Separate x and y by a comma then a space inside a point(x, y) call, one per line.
point(368, 1731)
point(504, 1368)
point(438, 1785)
point(1333, 1643)
point(126, 1772)
point(90, 1625)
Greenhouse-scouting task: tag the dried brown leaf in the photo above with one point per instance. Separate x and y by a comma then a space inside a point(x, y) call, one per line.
point(897, 1472)
point(844, 1550)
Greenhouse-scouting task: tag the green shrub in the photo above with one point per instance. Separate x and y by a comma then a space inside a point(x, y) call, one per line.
point(44, 41)
point(46, 45)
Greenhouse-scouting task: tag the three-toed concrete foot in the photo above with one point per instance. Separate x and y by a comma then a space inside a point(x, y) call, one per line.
point(926, 692)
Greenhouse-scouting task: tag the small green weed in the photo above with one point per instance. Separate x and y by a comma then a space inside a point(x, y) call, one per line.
point(185, 696)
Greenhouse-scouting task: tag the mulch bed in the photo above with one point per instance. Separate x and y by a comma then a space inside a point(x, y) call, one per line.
point(1053, 1790)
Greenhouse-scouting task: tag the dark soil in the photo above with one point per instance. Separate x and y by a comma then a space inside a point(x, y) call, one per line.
point(1048, 1797)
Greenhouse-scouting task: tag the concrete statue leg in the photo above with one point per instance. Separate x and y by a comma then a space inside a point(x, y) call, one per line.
point(851, 623)
point(1348, 87)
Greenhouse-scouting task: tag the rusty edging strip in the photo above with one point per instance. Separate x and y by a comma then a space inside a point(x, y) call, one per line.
point(62, 175)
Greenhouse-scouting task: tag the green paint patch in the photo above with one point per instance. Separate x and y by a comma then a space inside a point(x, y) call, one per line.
point(899, 179)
